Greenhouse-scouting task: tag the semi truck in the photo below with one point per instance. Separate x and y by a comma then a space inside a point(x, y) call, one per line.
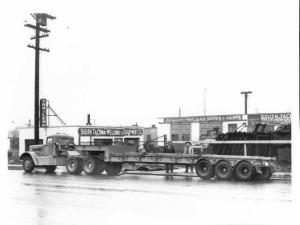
point(60, 150)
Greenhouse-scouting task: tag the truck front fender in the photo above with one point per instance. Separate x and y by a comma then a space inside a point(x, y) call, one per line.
point(30, 154)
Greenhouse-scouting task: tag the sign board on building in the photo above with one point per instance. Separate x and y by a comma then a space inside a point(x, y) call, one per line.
point(110, 131)
point(270, 118)
point(43, 112)
point(197, 119)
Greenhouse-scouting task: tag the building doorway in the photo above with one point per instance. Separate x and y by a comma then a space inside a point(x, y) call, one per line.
point(103, 142)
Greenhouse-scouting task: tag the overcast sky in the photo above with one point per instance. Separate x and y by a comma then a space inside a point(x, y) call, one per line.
point(134, 61)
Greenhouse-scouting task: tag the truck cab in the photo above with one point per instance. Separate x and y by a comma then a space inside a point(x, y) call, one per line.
point(53, 153)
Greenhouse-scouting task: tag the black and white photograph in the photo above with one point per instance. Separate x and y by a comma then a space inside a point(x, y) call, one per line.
point(150, 112)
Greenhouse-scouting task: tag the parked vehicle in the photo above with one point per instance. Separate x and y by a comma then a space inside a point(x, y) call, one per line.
point(60, 150)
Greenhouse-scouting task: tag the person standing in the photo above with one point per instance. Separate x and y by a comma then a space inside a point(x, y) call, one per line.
point(169, 149)
point(188, 149)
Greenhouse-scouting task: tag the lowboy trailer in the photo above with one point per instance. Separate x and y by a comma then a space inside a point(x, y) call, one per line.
point(60, 150)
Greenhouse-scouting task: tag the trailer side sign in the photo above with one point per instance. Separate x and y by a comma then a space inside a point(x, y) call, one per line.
point(110, 131)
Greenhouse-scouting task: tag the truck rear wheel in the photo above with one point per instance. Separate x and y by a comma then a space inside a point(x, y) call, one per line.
point(244, 171)
point(74, 166)
point(50, 169)
point(265, 174)
point(223, 170)
point(113, 169)
point(28, 164)
point(90, 166)
point(204, 169)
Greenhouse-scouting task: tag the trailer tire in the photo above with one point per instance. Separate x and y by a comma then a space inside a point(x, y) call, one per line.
point(113, 169)
point(244, 171)
point(90, 166)
point(50, 169)
point(74, 166)
point(204, 169)
point(265, 175)
point(28, 164)
point(223, 170)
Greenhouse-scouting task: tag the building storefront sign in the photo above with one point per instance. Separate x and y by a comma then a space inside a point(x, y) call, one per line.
point(43, 112)
point(110, 131)
point(196, 119)
point(270, 118)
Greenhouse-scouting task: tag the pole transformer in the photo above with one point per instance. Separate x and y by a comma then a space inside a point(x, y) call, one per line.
point(245, 93)
point(40, 26)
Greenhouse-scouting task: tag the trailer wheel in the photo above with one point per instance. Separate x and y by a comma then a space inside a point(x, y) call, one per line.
point(204, 169)
point(74, 166)
point(113, 169)
point(244, 171)
point(90, 166)
point(50, 169)
point(266, 173)
point(223, 170)
point(28, 164)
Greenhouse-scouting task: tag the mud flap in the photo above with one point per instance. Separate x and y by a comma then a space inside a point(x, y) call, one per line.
point(258, 170)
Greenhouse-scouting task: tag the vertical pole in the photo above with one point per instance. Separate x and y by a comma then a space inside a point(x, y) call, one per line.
point(246, 100)
point(37, 84)
point(165, 140)
point(245, 150)
point(245, 93)
point(204, 101)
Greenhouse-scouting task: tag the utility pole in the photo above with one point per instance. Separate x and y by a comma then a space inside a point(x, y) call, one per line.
point(40, 21)
point(245, 93)
point(204, 101)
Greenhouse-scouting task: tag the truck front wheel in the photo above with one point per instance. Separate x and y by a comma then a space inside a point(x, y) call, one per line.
point(28, 164)
point(74, 166)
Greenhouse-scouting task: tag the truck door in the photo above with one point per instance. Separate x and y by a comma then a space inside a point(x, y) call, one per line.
point(50, 146)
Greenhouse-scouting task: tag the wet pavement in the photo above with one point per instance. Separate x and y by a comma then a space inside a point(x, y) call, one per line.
point(60, 198)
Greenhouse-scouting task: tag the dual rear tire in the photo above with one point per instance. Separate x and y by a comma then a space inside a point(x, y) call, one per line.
point(92, 166)
point(244, 171)
point(223, 170)
point(74, 165)
point(204, 169)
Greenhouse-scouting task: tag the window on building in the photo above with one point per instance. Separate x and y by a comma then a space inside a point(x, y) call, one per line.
point(103, 142)
point(148, 137)
point(175, 137)
point(232, 127)
point(185, 137)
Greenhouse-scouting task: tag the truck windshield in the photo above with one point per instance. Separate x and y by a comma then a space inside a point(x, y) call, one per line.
point(65, 140)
